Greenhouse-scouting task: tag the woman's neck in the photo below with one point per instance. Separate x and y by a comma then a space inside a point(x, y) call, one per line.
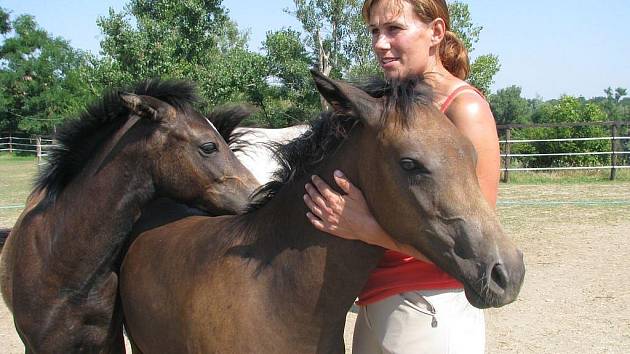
point(442, 83)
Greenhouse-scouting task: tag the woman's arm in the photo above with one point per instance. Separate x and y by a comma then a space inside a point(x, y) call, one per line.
point(471, 114)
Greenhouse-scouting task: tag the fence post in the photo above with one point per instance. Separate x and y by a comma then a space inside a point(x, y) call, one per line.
point(506, 161)
point(613, 155)
point(10, 143)
point(39, 149)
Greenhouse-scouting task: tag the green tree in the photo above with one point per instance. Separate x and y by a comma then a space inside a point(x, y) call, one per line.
point(567, 109)
point(5, 22)
point(291, 96)
point(509, 107)
point(363, 61)
point(611, 103)
point(40, 79)
point(188, 39)
point(624, 106)
point(332, 33)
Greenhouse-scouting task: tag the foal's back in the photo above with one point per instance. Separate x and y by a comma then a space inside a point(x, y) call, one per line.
point(215, 286)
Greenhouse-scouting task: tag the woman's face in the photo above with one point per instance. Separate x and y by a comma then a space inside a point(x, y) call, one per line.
point(401, 41)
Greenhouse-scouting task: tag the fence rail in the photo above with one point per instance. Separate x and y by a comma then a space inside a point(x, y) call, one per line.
point(36, 145)
point(615, 152)
point(564, 140)
point(570, 154)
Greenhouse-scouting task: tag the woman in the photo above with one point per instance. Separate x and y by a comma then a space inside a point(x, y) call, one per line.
point(409, 305)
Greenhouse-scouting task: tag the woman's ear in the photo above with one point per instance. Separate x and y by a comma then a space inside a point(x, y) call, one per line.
point(438, 27)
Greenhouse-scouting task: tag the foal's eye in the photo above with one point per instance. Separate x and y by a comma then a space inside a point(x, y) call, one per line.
point(411, 165)
point(208, 148)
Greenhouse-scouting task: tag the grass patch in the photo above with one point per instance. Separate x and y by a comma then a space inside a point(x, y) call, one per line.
point(567, 177)
point(16, 181)
point(9, 158)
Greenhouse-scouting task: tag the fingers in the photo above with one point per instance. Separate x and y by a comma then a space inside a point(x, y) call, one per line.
point(321, 224)
point(324, 189)
point(315, 209)
point(344, 183)
point(317, 222)
point(317, 198)
point(325, 214)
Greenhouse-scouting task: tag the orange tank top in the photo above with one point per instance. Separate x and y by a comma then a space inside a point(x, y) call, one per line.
point(397, 272)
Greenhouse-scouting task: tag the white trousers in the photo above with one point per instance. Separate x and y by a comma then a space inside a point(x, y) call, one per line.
point(420, 322)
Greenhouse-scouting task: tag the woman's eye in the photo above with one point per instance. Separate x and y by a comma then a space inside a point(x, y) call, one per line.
point(208, 148)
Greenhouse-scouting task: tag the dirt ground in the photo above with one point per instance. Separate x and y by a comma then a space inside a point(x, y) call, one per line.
point(576, 296)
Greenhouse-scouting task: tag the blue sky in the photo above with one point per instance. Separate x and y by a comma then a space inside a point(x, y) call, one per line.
point(549, 48)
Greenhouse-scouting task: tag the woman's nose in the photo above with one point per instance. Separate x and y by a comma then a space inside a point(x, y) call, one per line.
point(381, 43)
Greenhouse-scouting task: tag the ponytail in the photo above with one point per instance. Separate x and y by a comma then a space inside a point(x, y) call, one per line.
point(454, 56)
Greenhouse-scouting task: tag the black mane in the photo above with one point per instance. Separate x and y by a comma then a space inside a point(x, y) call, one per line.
point(77, 140)
point(225, 119)
point(299, 157)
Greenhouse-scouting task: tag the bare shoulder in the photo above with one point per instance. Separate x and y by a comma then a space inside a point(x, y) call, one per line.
point(470, 111)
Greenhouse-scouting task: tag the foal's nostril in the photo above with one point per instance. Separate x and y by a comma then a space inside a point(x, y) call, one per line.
point(499, 276)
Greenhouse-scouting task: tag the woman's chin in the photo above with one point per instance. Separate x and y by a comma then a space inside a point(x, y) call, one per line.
point(392, 71)
point(397, 73)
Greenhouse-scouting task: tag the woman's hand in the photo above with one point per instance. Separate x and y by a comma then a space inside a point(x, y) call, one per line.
point(348, 216)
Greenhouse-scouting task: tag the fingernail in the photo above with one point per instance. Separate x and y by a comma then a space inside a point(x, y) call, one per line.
point(338, 173)
point(313, 177)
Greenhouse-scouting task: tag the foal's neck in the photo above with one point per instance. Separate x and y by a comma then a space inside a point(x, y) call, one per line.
point(104, 199)
point(327, 272)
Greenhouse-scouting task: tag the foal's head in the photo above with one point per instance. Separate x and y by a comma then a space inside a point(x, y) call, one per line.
point(155, 131)
point(191, 160)
point(418, 175)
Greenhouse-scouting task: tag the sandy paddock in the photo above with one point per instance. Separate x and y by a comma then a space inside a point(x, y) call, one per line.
point(576, 297)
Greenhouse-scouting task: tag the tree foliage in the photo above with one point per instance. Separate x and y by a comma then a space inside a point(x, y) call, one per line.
point(291, 96)
point(156, 38)
point(331, 32)
point(508, 107)
point(611, 104)
point(40, 77)
point(189, 39)
point(567, 109)
point(5, 22)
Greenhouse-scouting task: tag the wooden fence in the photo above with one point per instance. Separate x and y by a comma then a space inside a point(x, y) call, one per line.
point(37, 145)
point(615, 137)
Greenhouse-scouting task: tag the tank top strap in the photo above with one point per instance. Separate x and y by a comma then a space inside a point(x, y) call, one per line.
point(456, 93)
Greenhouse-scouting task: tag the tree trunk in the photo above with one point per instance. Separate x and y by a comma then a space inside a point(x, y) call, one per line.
point(324, 67)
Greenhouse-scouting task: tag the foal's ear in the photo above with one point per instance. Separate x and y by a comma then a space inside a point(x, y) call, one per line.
point(148, 107)
point(347, 99)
